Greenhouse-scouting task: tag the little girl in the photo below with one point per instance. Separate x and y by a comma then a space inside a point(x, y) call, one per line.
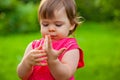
point(55, 56)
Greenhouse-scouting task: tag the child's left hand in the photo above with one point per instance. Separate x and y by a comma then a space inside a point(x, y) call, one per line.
point(51, 53)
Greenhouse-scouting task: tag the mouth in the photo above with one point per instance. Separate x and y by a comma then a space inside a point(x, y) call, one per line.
point(53, 36)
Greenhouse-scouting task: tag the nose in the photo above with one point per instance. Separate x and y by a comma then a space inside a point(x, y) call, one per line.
point(51, 29)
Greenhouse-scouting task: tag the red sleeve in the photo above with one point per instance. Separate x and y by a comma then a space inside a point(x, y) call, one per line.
point(35, 44)
point(81, 60)
point(73, 45)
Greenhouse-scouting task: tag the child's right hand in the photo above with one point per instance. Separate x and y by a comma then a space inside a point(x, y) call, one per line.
point(36, 56)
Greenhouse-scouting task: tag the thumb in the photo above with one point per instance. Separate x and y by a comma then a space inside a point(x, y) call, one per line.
point(38, 48)
point(61, 51)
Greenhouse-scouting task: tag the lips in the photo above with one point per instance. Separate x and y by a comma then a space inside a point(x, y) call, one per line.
point(52, 36)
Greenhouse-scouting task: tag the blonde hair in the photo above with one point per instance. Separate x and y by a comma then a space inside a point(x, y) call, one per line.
point(47, 8)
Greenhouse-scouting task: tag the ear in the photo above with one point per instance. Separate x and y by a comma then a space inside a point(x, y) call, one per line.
point(72, 27)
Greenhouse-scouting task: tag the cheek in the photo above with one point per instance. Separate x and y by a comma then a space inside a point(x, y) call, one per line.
point(64, 32)
point(43, 31)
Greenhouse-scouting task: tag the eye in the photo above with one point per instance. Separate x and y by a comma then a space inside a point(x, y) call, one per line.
point(58, 25)
point(45, 24)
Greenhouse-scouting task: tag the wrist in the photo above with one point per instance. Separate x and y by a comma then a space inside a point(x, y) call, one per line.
point(26, 64)
point(53, 61)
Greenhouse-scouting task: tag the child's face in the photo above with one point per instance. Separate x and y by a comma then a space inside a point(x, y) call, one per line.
point(57, 27)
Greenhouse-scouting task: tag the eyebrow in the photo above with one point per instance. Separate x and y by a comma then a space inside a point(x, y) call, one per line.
point(58, 21)
point(55, 21)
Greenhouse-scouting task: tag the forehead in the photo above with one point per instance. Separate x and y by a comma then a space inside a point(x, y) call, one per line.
point(59, 15)
point(49, 8)
point(55, 14)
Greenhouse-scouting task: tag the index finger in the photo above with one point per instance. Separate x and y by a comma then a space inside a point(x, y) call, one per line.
point(38, 48)
point(49, 42)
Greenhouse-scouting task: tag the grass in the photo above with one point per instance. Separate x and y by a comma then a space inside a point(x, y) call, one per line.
point(101, 46)
point(11, 51)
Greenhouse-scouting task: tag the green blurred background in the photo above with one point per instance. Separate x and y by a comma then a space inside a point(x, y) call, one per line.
point(98, 36)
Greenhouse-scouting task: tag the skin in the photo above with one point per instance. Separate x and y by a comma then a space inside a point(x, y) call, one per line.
point(58, 27)
point(52, 30)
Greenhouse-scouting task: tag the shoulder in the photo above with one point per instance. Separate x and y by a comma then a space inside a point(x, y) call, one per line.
point(28, 48)
point(71, 43)
point(70, 40)
point(32, 45)
point(73, 47)
point(37, 43)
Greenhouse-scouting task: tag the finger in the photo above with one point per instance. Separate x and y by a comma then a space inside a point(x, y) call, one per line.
point(37, 56)
point(49, 43)
point(44, 44)
point(37, 51)
point(38, 61)
point(44, 64)
point(38, 48)
point(42, 59)
point(41, 64)
point(61, 51)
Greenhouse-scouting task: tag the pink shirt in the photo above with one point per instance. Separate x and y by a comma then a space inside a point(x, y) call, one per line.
point(43, 72)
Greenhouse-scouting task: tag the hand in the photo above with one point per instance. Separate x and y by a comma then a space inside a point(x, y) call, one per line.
point(51, 53)
point(36, 57)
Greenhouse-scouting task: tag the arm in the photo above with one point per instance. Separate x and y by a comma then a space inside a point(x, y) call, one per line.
point(64, 69)
point(31, 57)
point(24, 70)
